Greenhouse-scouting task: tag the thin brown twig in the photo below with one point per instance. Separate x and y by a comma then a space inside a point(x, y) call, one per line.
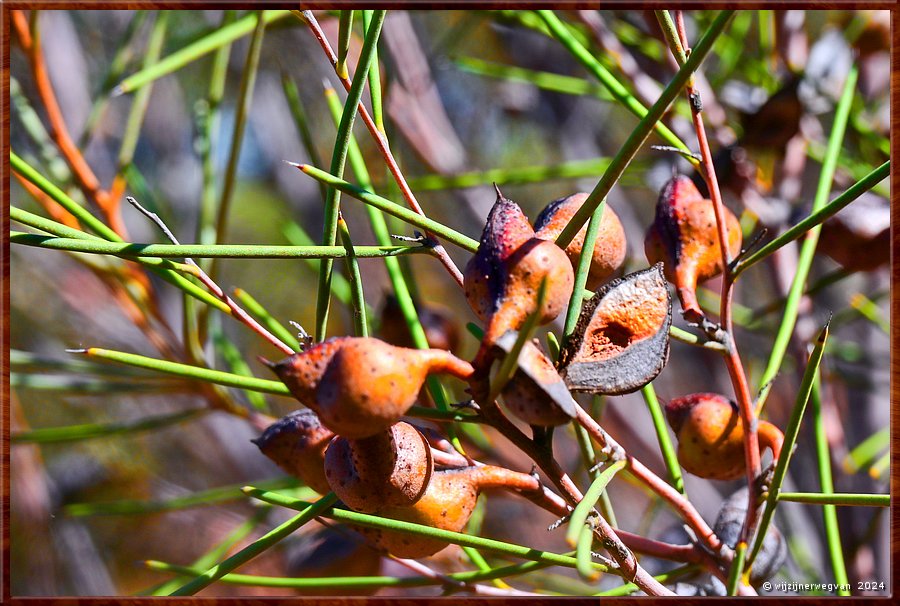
point(381, 142)
point(543, 457)
point(236, 309)
point(732, 357)
point(678, 501)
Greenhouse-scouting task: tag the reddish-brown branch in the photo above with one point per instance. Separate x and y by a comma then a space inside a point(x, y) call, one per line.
point(732, 359)
point(629, 566)
point(677, 500)
point(381, 142)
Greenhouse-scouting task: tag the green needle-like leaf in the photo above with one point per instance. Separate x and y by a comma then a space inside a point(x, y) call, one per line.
point(808, 249)
point(257, 547)
point(640, 133)
point(220, 37)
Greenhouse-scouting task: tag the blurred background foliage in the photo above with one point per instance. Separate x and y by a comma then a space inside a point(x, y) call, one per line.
point(471, 98)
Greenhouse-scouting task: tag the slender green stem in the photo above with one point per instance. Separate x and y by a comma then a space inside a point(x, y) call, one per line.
point(212, 251)
point(864, 453)
point(869, 310)
point(210, 557)
point(201, 498)
point(257, 547)
point(616, 89)
point(338, 160)
point(102, 229)
point(357, 582)
point(207, 123)
point(847, 499)
point(573, 312)
point(829, 511)
point(188, 371)
point(662, 435)
point(391, 208)
point(580, 515)
point(124, 55)
point(816, 217)
point(244, 99)
point(457, 538)
point(629, 588)
point(59, 196)
point(558, 83)
point(256, 309)
point(74, 433)
point(220, 37)
point(235, 362)
point(142, 98)
point(790, 439)
point(166, 269)
point(358, 299)
point(395, 272)
point(734, 575)
point(228, 379)
point(345, 29)
point(575, 169)
point(301, 121)
point(374, 78)
point(808, 249)
point(640, 133)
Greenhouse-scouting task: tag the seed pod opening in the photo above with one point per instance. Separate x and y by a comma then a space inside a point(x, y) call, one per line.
point(621, 340)
point(536, 393)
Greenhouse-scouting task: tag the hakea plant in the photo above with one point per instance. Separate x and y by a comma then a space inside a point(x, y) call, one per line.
point(375, 442)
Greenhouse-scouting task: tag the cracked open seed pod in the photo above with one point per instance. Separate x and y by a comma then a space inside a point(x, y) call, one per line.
point(684, 237)
point(390, 469)
point(360, 386)
point(711, 436)
point(621, 340)
point(609, 249)
point(535, 393)
point(447, 504)
point(297, 443)
point(504, 276)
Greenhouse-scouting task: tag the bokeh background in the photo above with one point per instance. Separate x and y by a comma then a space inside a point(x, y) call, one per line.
point(465, 92)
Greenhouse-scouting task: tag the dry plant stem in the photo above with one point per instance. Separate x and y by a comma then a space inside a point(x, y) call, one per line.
point(381, 142)
point(732, 357)
point(236, 309)
point(628, 565)
point(86, 178)
point(677, 500)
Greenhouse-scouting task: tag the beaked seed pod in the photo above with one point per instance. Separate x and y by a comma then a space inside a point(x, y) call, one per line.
point(609, 248)
point(447, 504)
point(504, 276)
point(360, 386)
point(711, 437)
point(297, 443)
point(773, 553)
point(390, 469)
point(685, 238)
